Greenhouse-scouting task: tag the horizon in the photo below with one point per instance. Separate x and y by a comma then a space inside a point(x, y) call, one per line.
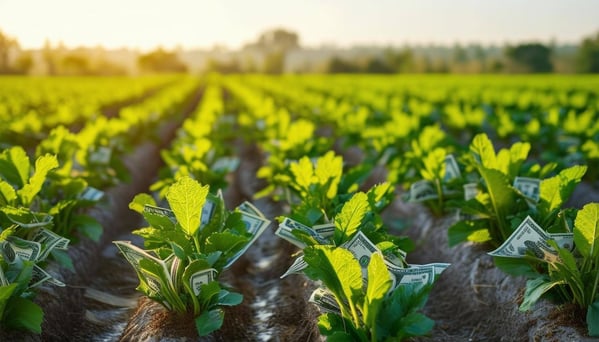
point(234, 23)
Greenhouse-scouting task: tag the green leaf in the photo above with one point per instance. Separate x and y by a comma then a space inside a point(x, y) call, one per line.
point(209, 321)
point(140, 201)
point(502, 197)
point(586, 230)
point(7, 193)
point(483, 150)
point(88, 226)
point(415, 324)
point(303, 173)
point(593, 319)
point(515, 266)
point(224, 242)
point(379, 283)
point(228, 298)
point(535, 288)
point(186, 198)
point(14, 166)
point(555, 191)
point(337, 269)
point(24, 314)
point(5, 294)
point(43, 165)
point(462, 231)
point(349, 219)
point(63, 259)
point(517, 156)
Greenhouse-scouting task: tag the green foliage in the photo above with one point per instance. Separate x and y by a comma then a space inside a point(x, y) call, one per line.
point(188, 245)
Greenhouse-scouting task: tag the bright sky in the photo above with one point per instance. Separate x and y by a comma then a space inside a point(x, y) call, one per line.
point(148, 23)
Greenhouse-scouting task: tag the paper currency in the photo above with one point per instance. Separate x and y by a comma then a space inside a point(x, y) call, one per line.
point(326, 230)
point(200, 278)
point(529, 187)
point(14, 247)
point(470, 191)
point(325, 300)
point(255, 225)
point(563, 240)
point(48, 241)
point(422, 190)
point(134, 255)
point(288, 226)
point(92, 194)
point(528, 237)
point(250, 208)
point(40, 276)
point(452, 169)
point(160, 212)
point(298, 265)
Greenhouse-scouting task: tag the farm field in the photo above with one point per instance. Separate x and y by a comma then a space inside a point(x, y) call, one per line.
point(299, 208)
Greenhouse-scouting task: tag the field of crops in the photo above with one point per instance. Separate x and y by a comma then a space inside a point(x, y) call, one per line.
point(299, 208)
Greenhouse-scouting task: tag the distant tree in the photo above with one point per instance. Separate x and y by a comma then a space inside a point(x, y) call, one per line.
point(460, 55)
point(337, 65)
point(377, 66)
point(531, 57)
point(481, 56)
point(400, 61)
point(75, 64)
point(278, 40)
point(6, 45)
point(223, 67)
point(161, 60)
point(588, 55)
point(24, 63)
point(274, 62)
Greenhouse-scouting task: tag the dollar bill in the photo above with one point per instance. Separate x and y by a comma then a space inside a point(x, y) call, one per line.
point(134, 255)
point(40, 276)
point(362, 249)
point(248, 207)
point(414, 274)
point(200, 278)
point(422, 190)
point(49, 241)
point(298, 265)
point(529, 187)
point(14, 247)
point(91, 194)
point(326, 230)
point(101, 156)
point(3, 279)
point(528, 237)
point(563, 240)
point(288, 226)
point(470, 191)
point(325, 300)
point(452, 169)
point(255, 225)
point(154, 210)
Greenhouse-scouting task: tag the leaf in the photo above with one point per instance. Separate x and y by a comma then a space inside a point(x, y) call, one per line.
point(586, 230)
point(63, 259)
point(515, 266)
point(379, 283)
point(24, 314)
point(303, 173)
point(483, 150)
point(43, 165)
point(14, 166)
point(140, 201)
point(88, 226)
point(224, 242)
point(328, 170)
point(415, 324)
point(5, 294)
point(186, 198)
point(348, 220)
point(337, 269)
point(555, 191)
point(502, 197)
point(517, 155)
point(228, 298)
point(463, 231)
point(535, 288)
point(209, 321)
point(7, 193)
point(593, 319)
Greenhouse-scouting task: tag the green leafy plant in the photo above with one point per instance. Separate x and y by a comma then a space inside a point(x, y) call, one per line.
point(187, 246)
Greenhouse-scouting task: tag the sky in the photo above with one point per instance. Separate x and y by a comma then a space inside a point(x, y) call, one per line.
point(146, 24)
